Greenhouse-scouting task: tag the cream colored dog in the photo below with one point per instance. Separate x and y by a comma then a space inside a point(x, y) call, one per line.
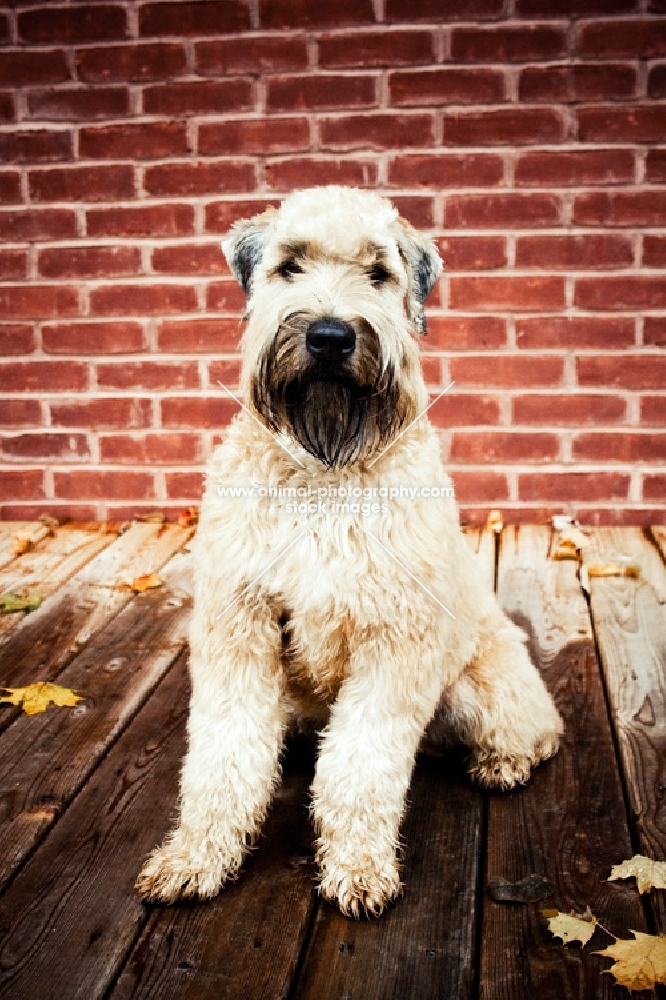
point(370, 620)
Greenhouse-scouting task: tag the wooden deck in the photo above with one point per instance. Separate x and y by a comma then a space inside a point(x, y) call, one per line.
point(85, 793)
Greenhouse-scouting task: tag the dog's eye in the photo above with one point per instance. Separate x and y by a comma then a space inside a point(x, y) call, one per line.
point(378, 274)
point(288, 268)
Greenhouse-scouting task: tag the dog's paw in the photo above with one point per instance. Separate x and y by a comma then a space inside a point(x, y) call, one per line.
point(362, 890)
point(174, 872)
point(493, 769)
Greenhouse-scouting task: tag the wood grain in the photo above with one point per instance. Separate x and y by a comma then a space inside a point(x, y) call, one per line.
point(10, 530)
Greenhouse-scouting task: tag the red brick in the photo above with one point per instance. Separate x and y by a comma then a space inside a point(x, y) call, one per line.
point(69, 25)
point(81, 184)
point(574, 8)
point(641, 38)
point(465, 333)
point(36, 145)
point(284, 175)
point(207, 336)
point(596, 251)
point(657, 81)
point(141, 220)
point(503, 126)
point(385, 131)
point(63, 511)
point(221, 215)
point(184, 485)
point(655, 165)
point(182, 179)
point(37, 224)
point(376, 48)
point(20, 413)
point(516, 294)
point(418, 210)
point(4, 29)
point(572, 168)
point(431, 366)
point(479, 487)
point(38, 301)
point(254, 135)
point(326, 92)
point(506, 370)
point(654, 251)
point(620, 208)
point(634, 291)
point(445, 170)
point(93, 338)
point(7, 107)
point(134, 63)
point(654, 331)
point(198, 96)
point(225, 296)
point(98, 484)
point(574, 331)
point(640, 371)
point(226, 371)
point(21, 484)
point(104, 413)
point(13, 265)
point(461, 409)
point(193, 258)
point(43, 376)
point(10, 187)
point(569, 410)
point(138, 300)
point(199, 411)
point(610, 446)
point(183, 18)
point(89, 262)
point(46, 446)
point(581, 82)
point(151, 375)
point(16, 339)
point(637, 123)
point(571, 486)
point(654, 488)
point(151, 449)
point(21, 68)
point(442, 10)
point(144, 141)
point(503, 447)
point(312, 14)
point(78, 104)
point(472, 253)
point(653, 410)
point(248, 54)
point(501, 211)
point(515, 43)
point(442, 86)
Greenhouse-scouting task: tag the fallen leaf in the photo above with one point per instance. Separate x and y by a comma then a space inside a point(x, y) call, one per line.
point(571, 926)
point(495, 522)
point(37, 697)
point(52, 523)
point(639, 964)
point(528, 890)
point(649, 874)
point(21, 544)
point(566, 549)
point(147, 582)
point(189, 517)
point(154, 517)
point(9, 603)
point(614, 569)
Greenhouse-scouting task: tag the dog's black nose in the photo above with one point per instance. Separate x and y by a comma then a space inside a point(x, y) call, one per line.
point(330, 339)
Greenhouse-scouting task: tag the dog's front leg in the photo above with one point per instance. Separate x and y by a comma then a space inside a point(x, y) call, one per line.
point(235, 729)
point(363, 772)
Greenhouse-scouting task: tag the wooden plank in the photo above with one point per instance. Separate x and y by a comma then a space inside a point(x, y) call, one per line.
point(630, 624)
point(47, 639)
point(568, 823)
point(45, 759)
point(246, 942)
point(72, 915)
point(10, 530)
point(659, 536)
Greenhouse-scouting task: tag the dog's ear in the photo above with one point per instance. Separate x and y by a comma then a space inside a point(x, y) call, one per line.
point(424, 267)
point(244, 245)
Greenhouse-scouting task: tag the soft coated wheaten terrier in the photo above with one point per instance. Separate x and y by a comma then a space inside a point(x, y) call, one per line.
point(370, 620)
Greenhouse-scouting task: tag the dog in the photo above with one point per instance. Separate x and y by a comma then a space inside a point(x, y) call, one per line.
point(373, 624)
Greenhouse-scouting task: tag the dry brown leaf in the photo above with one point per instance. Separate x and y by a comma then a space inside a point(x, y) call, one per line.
point(639, 964)
point(188, 518)
point(147, 582)
point(154, 517)
point(37, 697)
point(571, 926)
point(613, 569)
point(21, 544)
point(566, 549)
point(649, 874)
point(495, 522)
point(52, 523)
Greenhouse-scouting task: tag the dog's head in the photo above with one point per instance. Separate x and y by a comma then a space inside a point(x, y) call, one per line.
point(335, 283)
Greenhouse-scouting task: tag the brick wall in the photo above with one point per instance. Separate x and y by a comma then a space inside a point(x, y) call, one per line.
point(524, 135)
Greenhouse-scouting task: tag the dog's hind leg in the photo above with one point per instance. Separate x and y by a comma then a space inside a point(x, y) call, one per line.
point(236, 728)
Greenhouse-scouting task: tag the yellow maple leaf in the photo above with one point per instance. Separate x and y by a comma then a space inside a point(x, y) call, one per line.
point(189, 517)
point(147, 582)
point(571, 926)
point(21, 544)
point(649, 874)
point(37, 697)
point(639, 964)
